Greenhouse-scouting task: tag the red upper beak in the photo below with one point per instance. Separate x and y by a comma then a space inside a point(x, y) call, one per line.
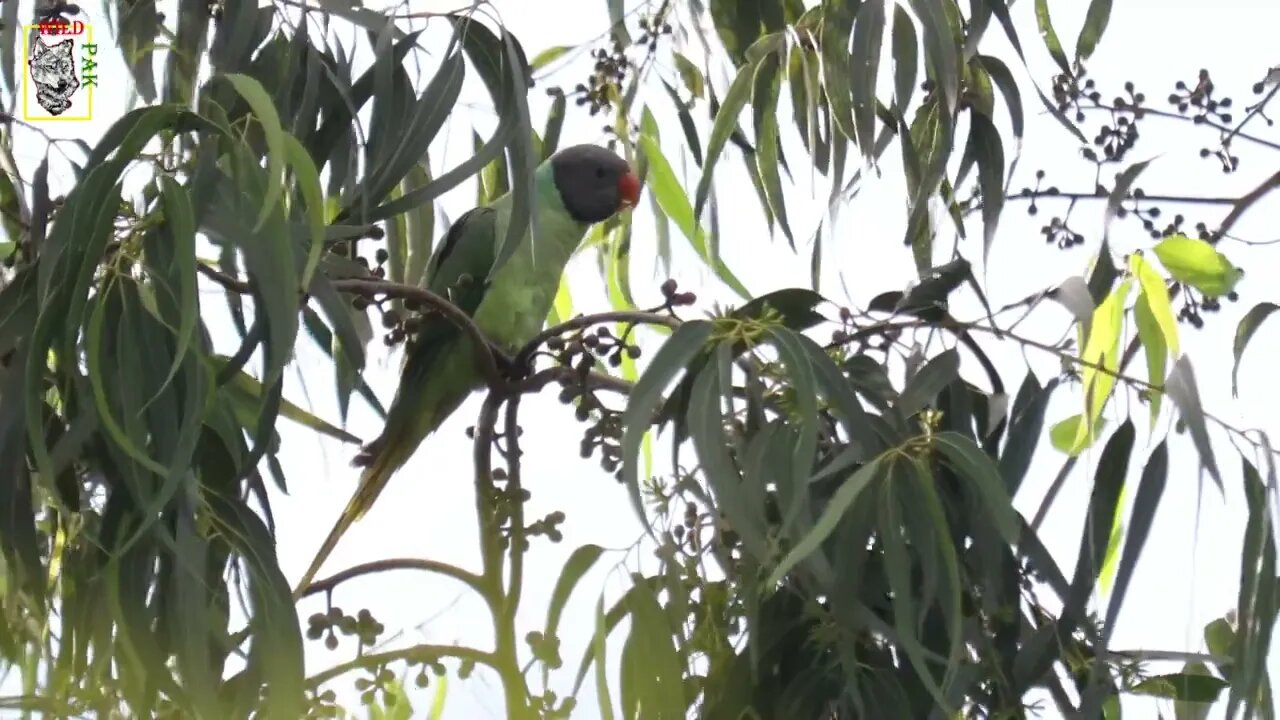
point(629, 190)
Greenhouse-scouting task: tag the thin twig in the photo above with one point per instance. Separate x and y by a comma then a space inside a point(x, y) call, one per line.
point(639, 317)
point(417, 653)
point(1060, 195)
point(378, 566)
point(595, 380)
point(1206, 122)
point(485, 354)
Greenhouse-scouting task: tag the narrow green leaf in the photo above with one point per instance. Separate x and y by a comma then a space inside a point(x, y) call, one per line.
point(265, 110)
point(672, 199)
point(1003, 79)
point(1072, 436)
point(1050, 36)
point(906, 51)
point(1182, 389)
point(1108, 483)
point(658, 658)
point(421, 225)
point(941, 50)
point(180, 225)
point(804, 384)
point(577, 565)
point(1124, 182)
point(826, 523)
point(1249, 325)
point(864, 66)
point(555, 123)
point(1095, 24)
point(647, 396)
point(764, 101)
point(726, 121)
point(1101, 350)
point(989, 149)
point(837, 79)
point(1150, 491)
point(971, 463)
point(942, 370)
point(603, 697)
point(742, 504)
point(308, 179)
point(249, 392)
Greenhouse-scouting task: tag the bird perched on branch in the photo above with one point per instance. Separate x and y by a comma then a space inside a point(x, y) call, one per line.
point(573, 189)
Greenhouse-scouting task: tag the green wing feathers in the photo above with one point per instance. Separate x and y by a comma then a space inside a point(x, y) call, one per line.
point(438, 373)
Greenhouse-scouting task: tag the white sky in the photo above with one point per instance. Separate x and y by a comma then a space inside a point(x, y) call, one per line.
point(1189, 572)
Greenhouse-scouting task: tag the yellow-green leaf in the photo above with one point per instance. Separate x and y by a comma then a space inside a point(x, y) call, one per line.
point(1153, 342)
point(1101, 350)
point(1064, 435)
point(548, 56)
point(1197, 263)
point(1157, 296)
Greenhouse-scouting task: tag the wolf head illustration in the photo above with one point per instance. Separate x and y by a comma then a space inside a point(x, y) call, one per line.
point(53, 70)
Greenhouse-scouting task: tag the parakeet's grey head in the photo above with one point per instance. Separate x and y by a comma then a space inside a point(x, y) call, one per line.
point(594, 183)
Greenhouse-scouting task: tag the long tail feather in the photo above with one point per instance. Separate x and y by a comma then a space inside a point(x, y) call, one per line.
point(430, 391)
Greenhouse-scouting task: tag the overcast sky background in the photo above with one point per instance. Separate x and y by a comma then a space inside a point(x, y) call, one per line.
point(1190, 571)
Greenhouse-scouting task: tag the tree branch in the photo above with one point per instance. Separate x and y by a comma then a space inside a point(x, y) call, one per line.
point(1247, 201)
point(487, 355)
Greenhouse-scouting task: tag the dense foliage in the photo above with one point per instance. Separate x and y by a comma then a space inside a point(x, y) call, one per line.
point(837, 537)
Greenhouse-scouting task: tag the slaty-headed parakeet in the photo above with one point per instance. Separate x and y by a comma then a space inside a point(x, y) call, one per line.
point(573, 189)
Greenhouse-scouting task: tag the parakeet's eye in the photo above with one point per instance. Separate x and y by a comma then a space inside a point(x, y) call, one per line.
point(600, 172)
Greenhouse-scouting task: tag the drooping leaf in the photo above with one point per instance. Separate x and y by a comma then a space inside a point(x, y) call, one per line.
point(864, 69)
point(1050, 37)
point(1095, 24)
point(726, 120)
point(924, 386)
point(1182, 389)
point(989, 149)
point(906, 52)
point(1026, 421)
point(1157, 295)
point(646, 397)
point(675, 203)
point(1249, 325)
point(1150, 491)
point(1102, 355)
point(764, 101)
point(577, 565)
point(968, 460)
point(265, 112)
point(834, 510)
